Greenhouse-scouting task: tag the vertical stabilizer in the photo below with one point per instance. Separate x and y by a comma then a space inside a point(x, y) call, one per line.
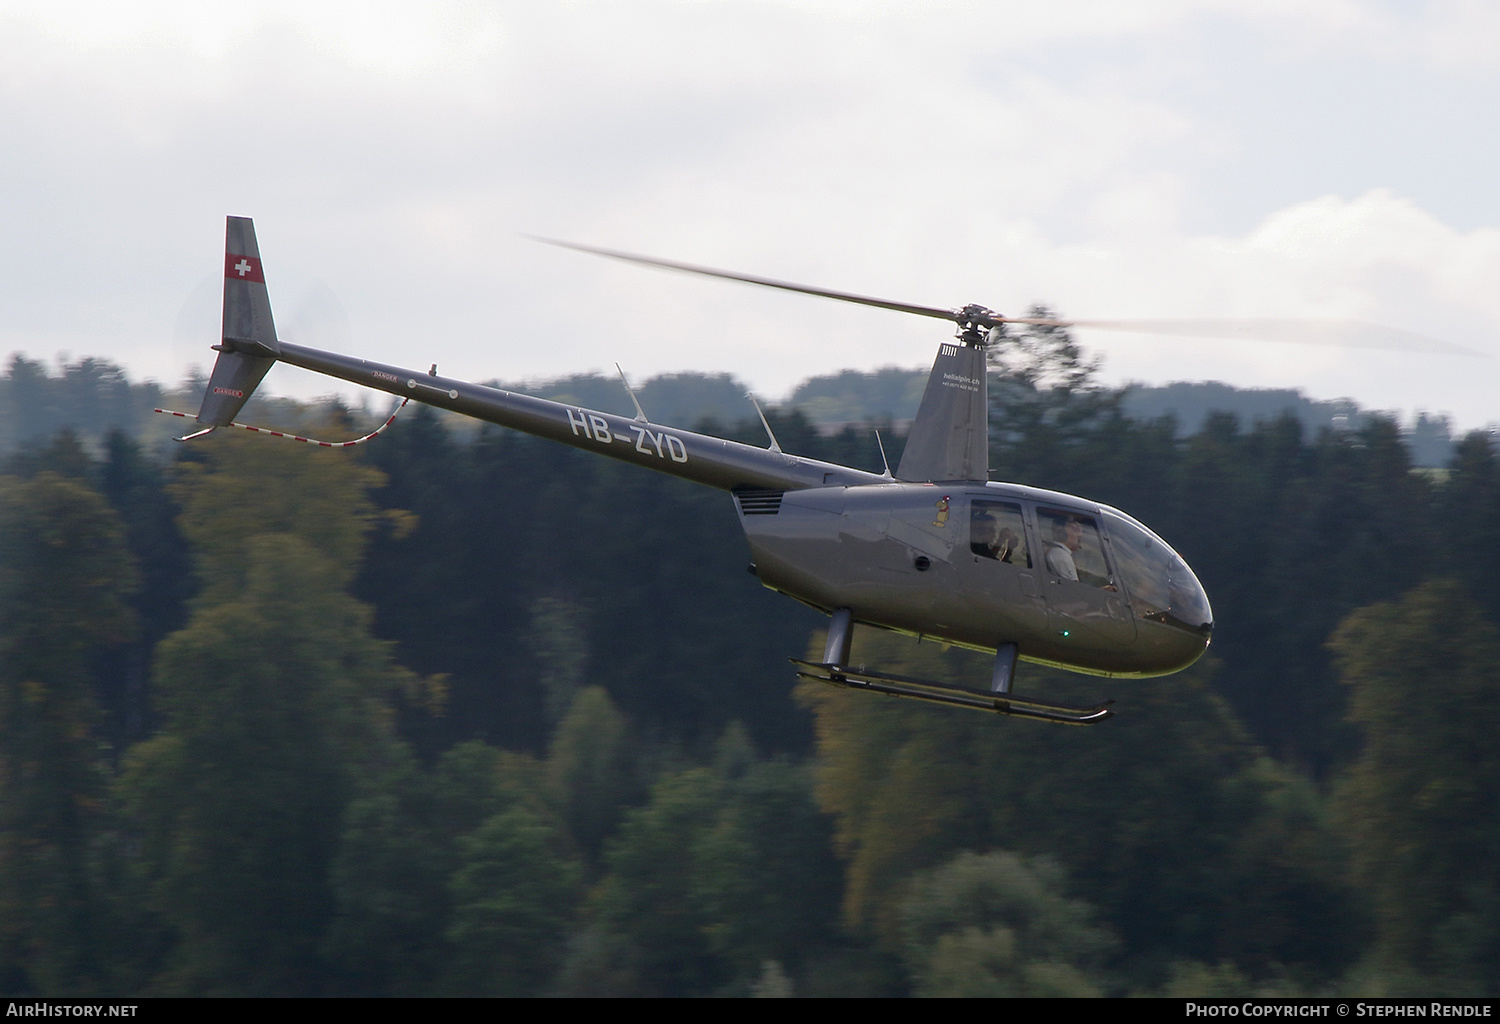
point(950, 438)
point(249, 345)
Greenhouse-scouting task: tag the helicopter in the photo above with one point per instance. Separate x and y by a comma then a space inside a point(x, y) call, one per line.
point(934, 550)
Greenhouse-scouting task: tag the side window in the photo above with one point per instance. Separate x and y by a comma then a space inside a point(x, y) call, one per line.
point(1071, 548)
point(997, 531)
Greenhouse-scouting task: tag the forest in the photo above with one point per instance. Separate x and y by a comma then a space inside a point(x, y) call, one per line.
point(463, 712)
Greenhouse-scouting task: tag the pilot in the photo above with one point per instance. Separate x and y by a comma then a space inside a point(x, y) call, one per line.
point(1067, 537)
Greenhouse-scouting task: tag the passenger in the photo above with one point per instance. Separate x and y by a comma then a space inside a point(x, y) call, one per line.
point(1006, 544)
point(1067, 537)
point(988, 539)
point(983, 531)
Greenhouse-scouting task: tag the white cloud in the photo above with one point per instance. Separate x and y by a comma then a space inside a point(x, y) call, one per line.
point(939, 153)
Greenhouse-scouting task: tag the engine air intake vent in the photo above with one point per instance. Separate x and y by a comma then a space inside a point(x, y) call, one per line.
point(759, 503)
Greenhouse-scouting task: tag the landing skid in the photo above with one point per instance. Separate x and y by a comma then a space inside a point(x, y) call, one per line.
point(998, 697)
point(946, 693)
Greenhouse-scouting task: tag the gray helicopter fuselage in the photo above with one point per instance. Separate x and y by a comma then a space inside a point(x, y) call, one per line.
point(933, 550)
point(904, 556)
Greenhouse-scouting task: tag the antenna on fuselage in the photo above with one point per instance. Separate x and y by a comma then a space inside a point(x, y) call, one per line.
point(775, 447)
point(886, 463)
point(640, 414)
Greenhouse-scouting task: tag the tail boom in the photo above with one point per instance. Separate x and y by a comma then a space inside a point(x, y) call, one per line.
point(713, 461)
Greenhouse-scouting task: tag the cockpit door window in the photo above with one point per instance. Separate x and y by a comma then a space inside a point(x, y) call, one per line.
point(1072, 549)
point(997, 532)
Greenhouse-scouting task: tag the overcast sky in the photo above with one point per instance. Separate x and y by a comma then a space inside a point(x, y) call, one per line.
point(1279, 158)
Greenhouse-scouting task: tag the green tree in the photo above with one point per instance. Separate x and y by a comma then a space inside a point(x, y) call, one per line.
point(273, 698)
point(1469, 520)
point(999, 925)
point(722, 870)
point(654, 927)
point(64, 579)
point(561, 649)
point(1421, 805)
point(89, 397)
point(389, 878)
point(405, 923)
point(273, 719)
point(1042, 357)
point(513, 896)
point(591, 772)
point(136, 486)
point(245, 487)
point(766, 876)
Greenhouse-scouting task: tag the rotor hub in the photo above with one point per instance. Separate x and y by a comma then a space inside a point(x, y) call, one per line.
point(975, 323)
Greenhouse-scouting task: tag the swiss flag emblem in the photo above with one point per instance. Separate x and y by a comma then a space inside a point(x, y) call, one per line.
point(243, 268)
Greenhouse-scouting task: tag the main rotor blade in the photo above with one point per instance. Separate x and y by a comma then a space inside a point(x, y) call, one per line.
point(765, 282)
point(1292, 330)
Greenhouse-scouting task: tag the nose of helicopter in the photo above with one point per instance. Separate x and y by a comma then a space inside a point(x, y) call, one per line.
point(1186, 622)
point(1172, 638)
point(1164, 592)
point(1187, 602)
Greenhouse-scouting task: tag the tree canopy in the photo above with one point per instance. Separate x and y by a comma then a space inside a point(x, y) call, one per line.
point(464, 712)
